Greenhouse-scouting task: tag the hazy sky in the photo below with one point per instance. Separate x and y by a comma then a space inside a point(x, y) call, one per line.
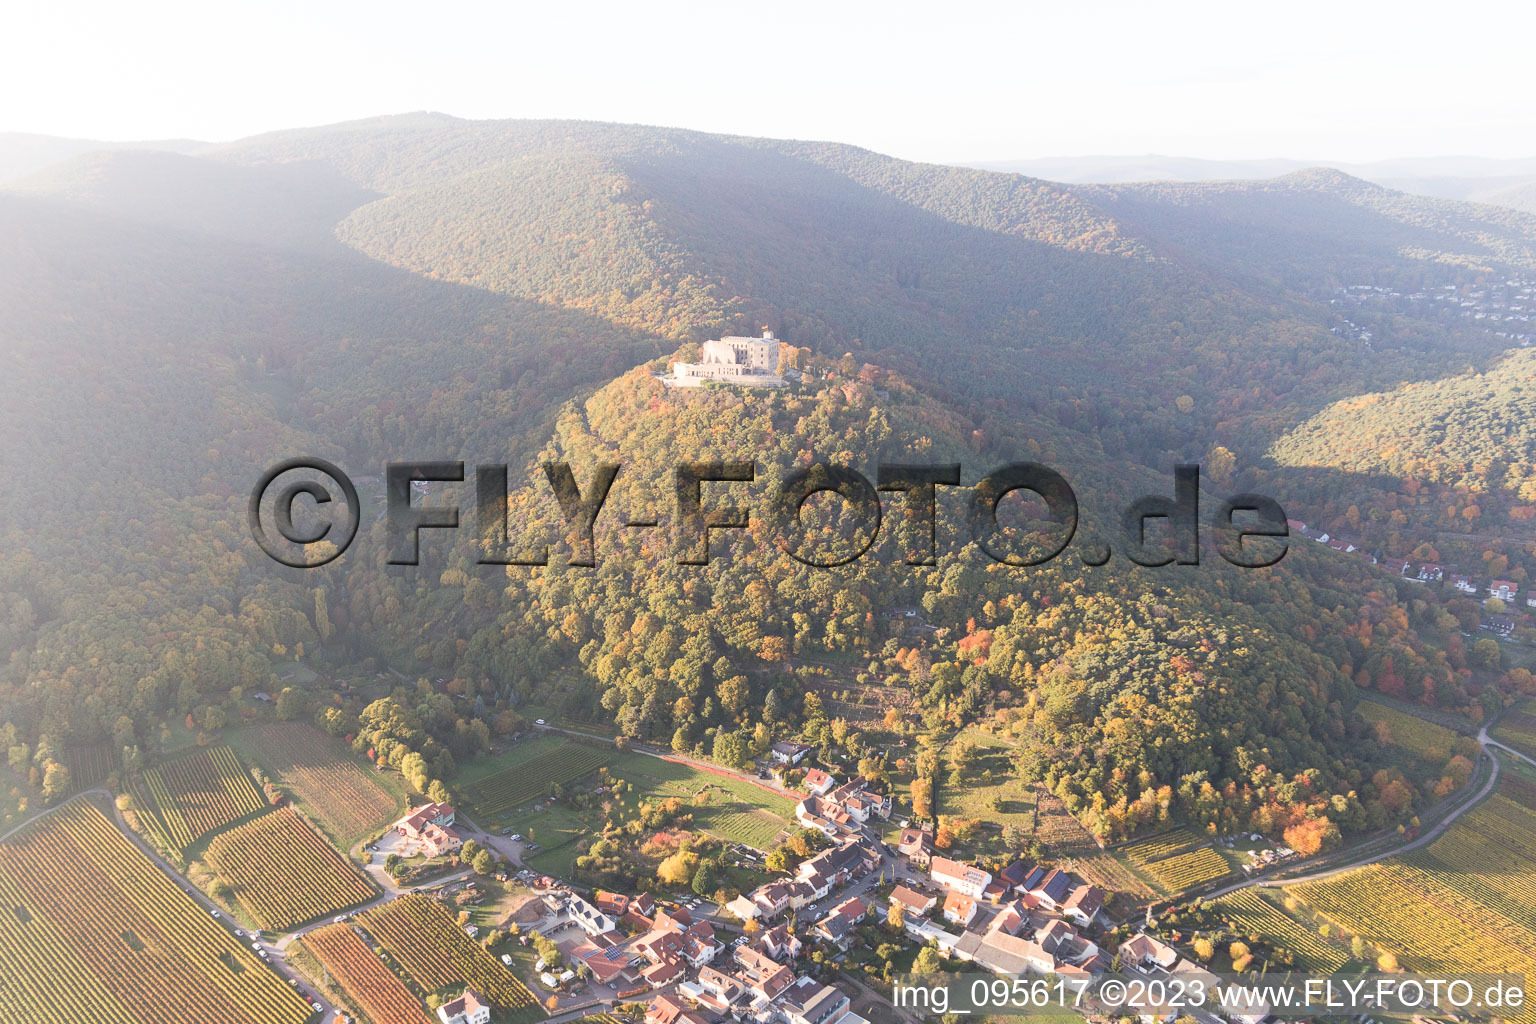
point(1340, 80)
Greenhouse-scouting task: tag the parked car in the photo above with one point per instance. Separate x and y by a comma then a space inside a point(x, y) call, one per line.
point(538, 721)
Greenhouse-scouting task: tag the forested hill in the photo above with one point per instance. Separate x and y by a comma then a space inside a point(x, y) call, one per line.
point(1128, 686)
point(425, 287)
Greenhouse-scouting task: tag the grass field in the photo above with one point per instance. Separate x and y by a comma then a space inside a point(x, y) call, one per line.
point(185, 799)
point(1464, 900)
point(736, 810)
point(93, 931)
point(346, 800)
point(525, 774)
point(978, 797)
point(729, 808)
point(284, 873)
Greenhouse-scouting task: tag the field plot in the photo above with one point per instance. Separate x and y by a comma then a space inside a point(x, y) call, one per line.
point(1430, 741)
point(284, 873)
point(1104, 871)
point(1251, 913)
point(731, 808)
point(1177, 860)
point(184, 800)
point(1001, 801)
point(89, 766)
point(91, 930)
point(1468, 895)
point(1057, 828)
point(1489, 855)
point(381, 995)
point(527, 779)
point(333, 788)
point(434, 951)
point(1518, 729)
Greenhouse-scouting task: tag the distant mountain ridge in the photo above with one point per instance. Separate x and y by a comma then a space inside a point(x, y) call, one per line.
point(1502, 182)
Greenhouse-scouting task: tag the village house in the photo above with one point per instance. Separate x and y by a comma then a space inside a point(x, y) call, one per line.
point(961, 878)
point(837, 865)
point(913, 903)
point(764, 977)
point(668, 1009)
point(808, 1001)
point(780, 943)
point(633, 910)
point(675, 939)
point(837, 926)
point(469, 1008)
point(716, 991)
point(1083, 904)
point(958, 909)
point(431, 827)
point(751, 362)
point(1052, 888)
point(818, 782)
point(1504, 590)
point(1464, 584)
point(916, 845)
point(767, 900)
point(790, 753)
point(606, 965)
point(590, 919)
point(1006, 954)
point(1142, 950)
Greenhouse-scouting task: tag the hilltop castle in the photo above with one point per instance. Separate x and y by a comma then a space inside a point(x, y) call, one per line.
point(751, 362)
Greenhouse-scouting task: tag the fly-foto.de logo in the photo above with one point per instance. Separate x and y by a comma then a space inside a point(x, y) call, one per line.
point(1251, 528)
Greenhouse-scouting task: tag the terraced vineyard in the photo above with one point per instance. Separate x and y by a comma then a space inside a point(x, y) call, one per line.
point(1467, 895)
point(92, 931)
point(381, 995)
point(434, 952)
point(1252, 913)
point(530, 779)
point(333, 788)
point(185, 800)
point(1107, 873)
point(1429, 927)
point(89, 766)
point(1177, 860)
point(284, 873)
point(1489, 856)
